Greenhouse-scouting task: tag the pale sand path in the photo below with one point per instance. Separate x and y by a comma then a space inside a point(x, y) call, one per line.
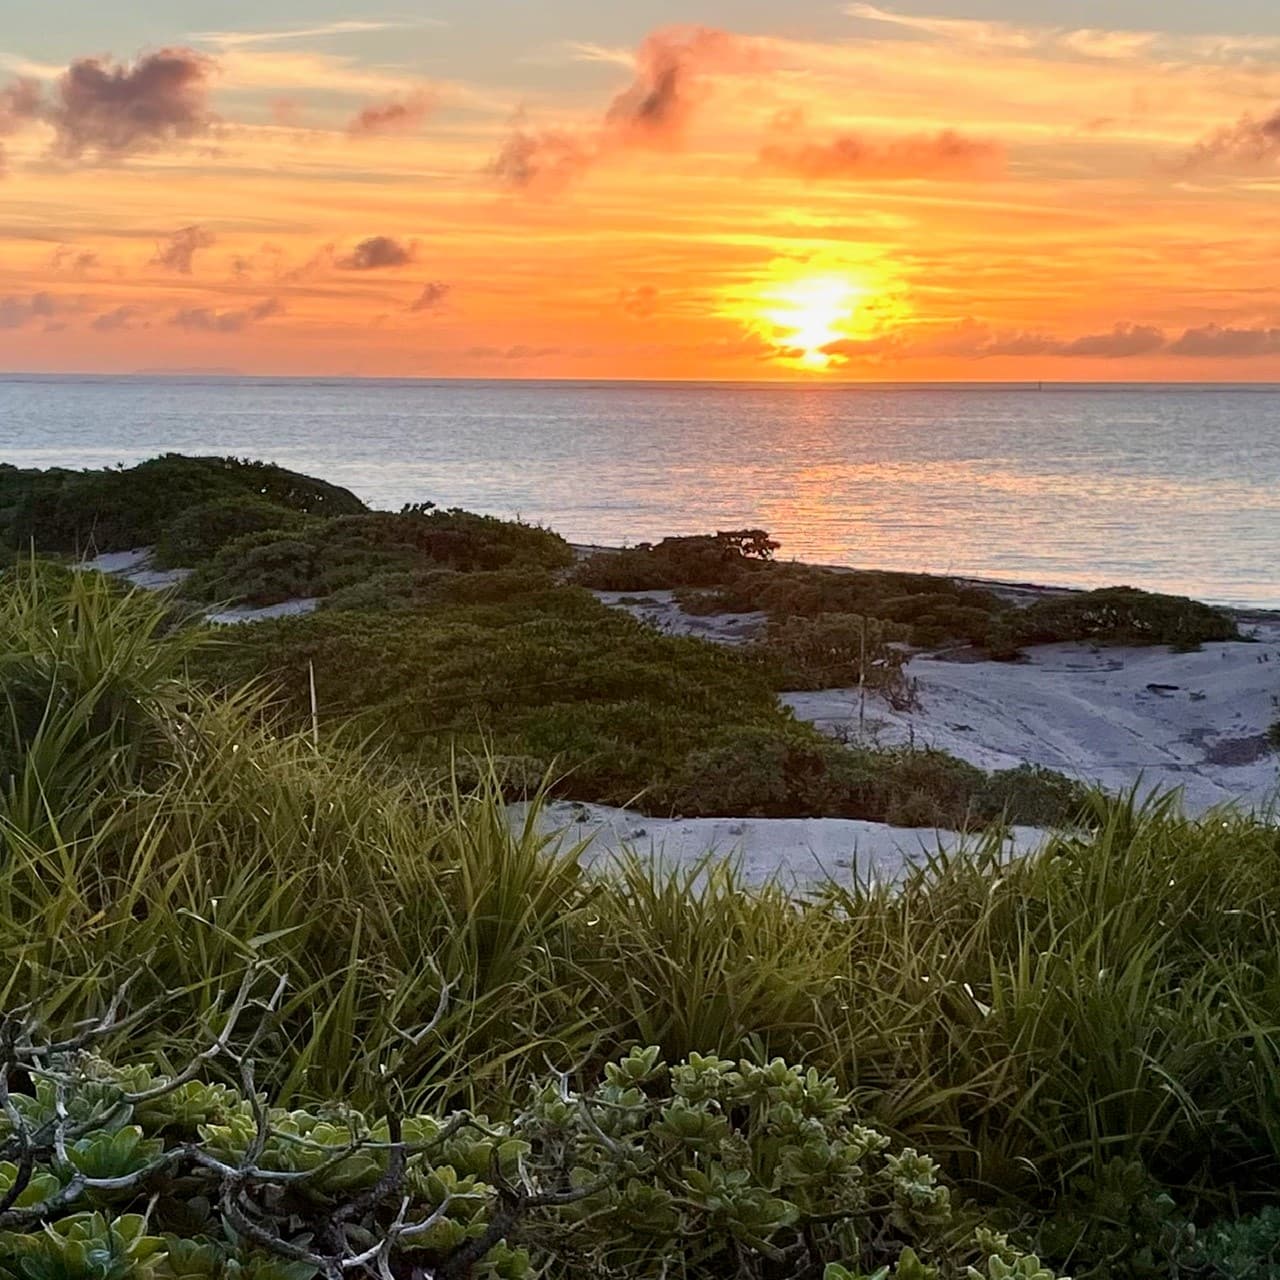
point(135, 567)
point(799, 853)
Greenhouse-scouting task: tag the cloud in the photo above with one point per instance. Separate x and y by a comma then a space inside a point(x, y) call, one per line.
point(178, 252)
point(972, 340)
point(399, 115)
point(1215, 342)
point(206, 320)
point(375, 253)
point(433, 295)
point(654, 110)
point(20, 103)
point(115, 110)
point(947, 154)
point(518, 352)
point(346, 27)
point(1124, 341)
point(546, 161)
point(1120, 343)
point(123, 317)
point(1248, 142)
point(72, 261)
point(18, 312)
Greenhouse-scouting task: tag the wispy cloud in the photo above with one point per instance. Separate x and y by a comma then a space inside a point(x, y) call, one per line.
point(347, 27)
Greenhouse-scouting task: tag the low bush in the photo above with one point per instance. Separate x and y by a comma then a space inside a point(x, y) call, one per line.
point(704, 560)
point(121, 508)
point(704, 1169)
point(837, 650)
point(1124, 615)
point(347, 554)
point(200, 532)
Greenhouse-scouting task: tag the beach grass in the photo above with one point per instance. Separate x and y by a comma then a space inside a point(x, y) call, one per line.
point(1114, 997)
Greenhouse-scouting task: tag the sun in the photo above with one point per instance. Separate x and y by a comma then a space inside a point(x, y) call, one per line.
point(810, 313)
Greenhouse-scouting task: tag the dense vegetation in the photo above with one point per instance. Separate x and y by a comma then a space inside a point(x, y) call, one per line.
point(553, 681)
point(1085, 1041)
point(730, 574)
point(117, 509)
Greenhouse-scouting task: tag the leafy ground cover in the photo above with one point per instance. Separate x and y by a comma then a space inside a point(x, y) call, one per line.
point(724, 574)
point(1085, 1041)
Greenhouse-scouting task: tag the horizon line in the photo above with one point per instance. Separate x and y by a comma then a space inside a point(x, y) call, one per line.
point(814, 381)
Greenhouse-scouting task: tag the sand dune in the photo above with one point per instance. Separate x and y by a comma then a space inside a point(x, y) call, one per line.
point(1119, 717)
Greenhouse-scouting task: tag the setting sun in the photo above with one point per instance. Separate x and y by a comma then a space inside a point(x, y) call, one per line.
point(812, 313)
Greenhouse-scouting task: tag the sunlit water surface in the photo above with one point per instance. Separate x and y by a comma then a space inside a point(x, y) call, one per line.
point(1169, 488)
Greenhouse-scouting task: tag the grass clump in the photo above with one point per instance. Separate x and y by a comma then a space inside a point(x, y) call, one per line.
point(120, 508)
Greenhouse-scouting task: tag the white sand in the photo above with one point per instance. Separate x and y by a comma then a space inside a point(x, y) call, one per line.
point(660, 610)
point(1093, 714)
point(135, 567)
point(799, 853)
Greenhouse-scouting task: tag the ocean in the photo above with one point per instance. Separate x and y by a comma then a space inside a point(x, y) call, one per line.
point(1171, 488)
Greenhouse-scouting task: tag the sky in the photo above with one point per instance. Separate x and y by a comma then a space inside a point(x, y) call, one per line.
point(933, 189)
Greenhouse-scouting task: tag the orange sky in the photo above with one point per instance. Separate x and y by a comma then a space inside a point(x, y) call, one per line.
point(897, 197)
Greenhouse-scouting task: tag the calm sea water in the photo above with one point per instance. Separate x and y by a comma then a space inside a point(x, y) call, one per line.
point(1169, 488)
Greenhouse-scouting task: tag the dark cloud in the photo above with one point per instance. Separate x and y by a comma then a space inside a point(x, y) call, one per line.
point(178, 252)
point(206, 320)
point(547, 160)
point(72, 261)
point(1122, 342)
point(434, 292)
point(399, 115)
point(865, 348)
point(641, 302)
point(18, 312)
point(1249, 142)
point(941, 155)
point(654, 110)
point(750, 346)
point(114, 110)
point(1215, 342)
point(375, 253)
point(124, 317)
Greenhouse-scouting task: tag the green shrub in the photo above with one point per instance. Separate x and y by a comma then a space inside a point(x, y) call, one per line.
point(200, 532)
point(705, 1168)
point(320, 559)
point(836, 650)
point(117, 509)
point(701, 560)
point(1124, 615)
